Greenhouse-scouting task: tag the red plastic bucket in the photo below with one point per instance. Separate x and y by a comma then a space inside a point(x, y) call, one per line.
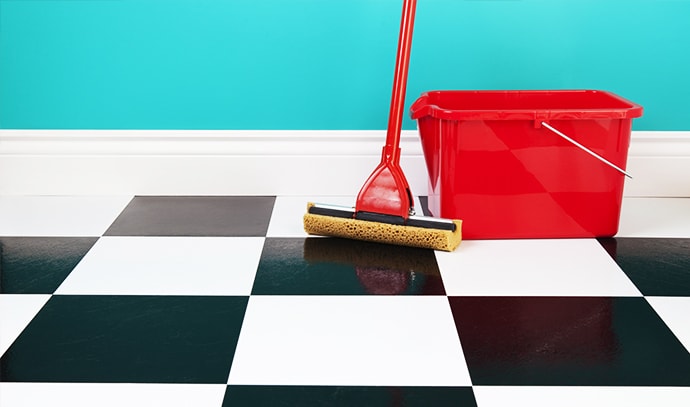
point(495, 160)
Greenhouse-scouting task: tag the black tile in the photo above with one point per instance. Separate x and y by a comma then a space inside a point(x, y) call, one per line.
point(194, 216)
point(332, 266)
point(580, 341)
point(127, 339)
point(658, 267)
point(348, 396)
point(38, 265)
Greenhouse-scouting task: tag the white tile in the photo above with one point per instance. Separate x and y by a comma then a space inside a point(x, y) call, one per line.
point(288, 211)
point(655, 217)
point(533, 267)
point(16, 311)
point(349, 340)
point(167, 266)
point(573, 396)
point(58, 215)
point(110, 394)
point(675, 311)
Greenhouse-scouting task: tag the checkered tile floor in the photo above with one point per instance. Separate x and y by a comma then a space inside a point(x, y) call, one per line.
point(223, 301)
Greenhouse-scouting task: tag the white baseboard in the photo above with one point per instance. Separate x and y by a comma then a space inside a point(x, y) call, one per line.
point(191, 162)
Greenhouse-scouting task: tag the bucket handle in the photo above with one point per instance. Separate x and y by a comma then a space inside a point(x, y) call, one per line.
point(587, 150)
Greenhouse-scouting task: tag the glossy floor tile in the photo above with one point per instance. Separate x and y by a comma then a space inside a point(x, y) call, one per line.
point(58, 215)
point(656, 266)
point(270, 396)
point(349, 340)
point(530, 267)
point(675, 312)
point(38, 265)
point(166, 266)
point(16, 311)
point(110, 394)
point(559, 341)
point(225, 301)
point(576, 396)
point(340, 267)
point(194, 216)
point(127, 339)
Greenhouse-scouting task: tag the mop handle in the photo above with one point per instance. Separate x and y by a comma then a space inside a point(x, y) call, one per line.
point(391, 152)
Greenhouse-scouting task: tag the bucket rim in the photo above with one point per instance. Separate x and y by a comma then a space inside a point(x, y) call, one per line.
point(429, 105)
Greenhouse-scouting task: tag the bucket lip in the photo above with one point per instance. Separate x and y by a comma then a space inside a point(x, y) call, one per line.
point(625, 109)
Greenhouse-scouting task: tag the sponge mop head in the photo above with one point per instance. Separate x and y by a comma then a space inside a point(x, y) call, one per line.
point(349, 228)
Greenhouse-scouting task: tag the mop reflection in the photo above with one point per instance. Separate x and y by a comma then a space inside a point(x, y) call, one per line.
point(381, 269)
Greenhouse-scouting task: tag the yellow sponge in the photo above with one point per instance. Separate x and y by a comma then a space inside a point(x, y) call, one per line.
point(382, 232)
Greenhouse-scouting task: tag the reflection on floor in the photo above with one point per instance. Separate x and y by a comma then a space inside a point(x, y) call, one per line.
point(224, 301)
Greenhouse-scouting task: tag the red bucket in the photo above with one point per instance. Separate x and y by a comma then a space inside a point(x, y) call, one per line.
point(526, 164)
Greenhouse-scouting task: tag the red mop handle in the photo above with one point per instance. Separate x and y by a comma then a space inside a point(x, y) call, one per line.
point(386, 191)
point(391, 152)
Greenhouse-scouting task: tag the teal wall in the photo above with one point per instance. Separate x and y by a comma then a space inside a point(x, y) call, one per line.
point(323, 64)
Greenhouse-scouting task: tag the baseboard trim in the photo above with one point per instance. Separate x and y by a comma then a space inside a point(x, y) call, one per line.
point(229, 162)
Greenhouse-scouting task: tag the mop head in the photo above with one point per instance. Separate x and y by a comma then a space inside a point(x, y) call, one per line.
point(371, 231)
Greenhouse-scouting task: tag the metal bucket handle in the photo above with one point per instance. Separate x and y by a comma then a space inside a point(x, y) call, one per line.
point(587, 150)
